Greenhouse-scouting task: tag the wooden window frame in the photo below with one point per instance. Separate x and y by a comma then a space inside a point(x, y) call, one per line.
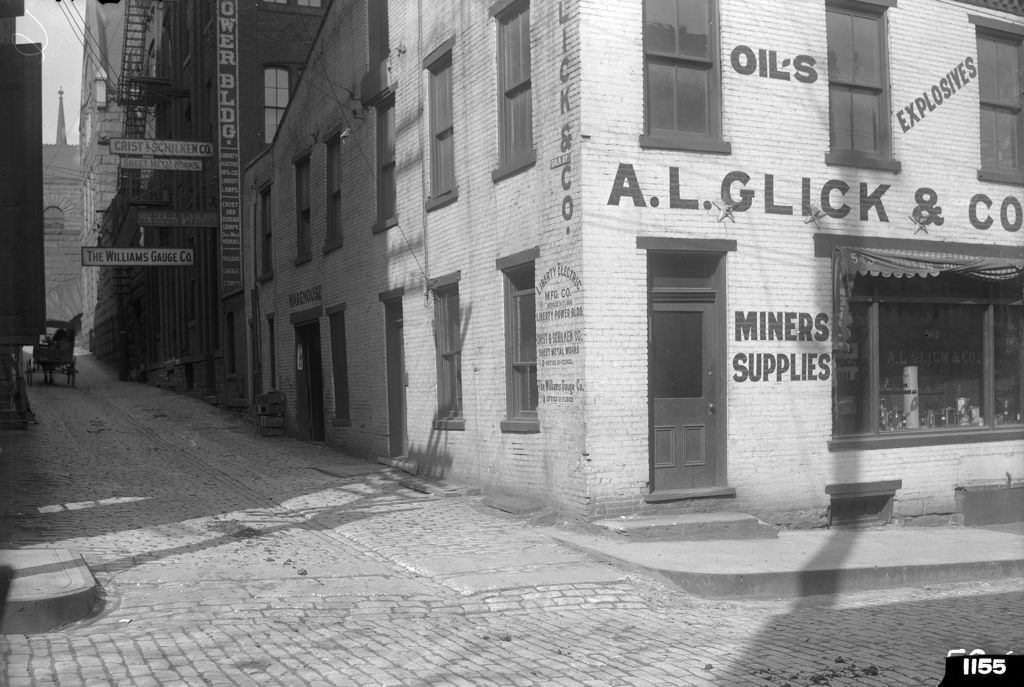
point(712, 142)
point(333, 211)
point(875, 438)
point(881, 159)
point(520, 417)
point(448, 347)
point(1001, 32)
point(515, 137)
point(443, 189)
point(266, 232)
point(339, 366)
point(303, 213)
point(276, 107)
point(387, 198)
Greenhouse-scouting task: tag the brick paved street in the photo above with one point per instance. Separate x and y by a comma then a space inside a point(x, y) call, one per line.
point(229, 559)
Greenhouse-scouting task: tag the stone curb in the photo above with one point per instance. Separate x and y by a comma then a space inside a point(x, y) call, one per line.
point(45, 588)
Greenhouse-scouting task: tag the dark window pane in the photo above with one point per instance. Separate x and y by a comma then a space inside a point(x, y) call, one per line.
point(841, 117)
point(692, 100)
point(939, 345)
point(694, 28)
point(660, 25)
point(840, 47)
point(852, 384)
point(1009, 363)
point(865, 121)
point(1007, 76)
point(1006, 143)
point(988, 69)
point(866, 51)
point(677, 342)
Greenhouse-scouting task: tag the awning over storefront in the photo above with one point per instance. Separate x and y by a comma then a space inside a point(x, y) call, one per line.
point(850, 261)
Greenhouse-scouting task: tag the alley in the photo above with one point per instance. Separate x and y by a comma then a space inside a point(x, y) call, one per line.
point(230, 559)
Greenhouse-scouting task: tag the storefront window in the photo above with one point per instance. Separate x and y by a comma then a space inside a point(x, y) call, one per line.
point(917, 355)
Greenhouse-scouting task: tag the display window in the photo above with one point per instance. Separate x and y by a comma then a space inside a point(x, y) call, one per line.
point(929, 353)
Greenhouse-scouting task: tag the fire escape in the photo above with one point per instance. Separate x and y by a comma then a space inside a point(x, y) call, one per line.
point(144, 80)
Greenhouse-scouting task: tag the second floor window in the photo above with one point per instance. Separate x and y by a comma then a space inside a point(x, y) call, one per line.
point(515, 108)
point(999, 92)
point(266, 233)
point(275, 100)
point(442, 142)
point(334, 191)
point(386, 191)
point(859, 128)
point(681, 70)
point(303, 227)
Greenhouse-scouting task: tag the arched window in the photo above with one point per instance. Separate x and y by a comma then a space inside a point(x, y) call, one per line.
point(275, 99)
point(53, 220)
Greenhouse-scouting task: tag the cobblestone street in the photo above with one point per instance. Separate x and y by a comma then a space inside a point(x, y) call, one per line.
point(230, 559)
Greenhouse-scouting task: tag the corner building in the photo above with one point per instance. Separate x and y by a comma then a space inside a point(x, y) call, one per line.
point(660, 255)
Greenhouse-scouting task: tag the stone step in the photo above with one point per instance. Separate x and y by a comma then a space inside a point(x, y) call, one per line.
point(689, 526)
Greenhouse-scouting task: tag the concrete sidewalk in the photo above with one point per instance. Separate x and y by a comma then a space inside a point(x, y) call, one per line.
point(820, 561)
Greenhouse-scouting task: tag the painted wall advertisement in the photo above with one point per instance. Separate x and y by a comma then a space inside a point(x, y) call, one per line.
point(228, 149)
point(559, 286)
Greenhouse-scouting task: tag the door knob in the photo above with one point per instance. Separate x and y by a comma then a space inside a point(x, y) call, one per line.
point(711, 409)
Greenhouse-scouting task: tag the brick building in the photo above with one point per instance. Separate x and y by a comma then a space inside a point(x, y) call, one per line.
point(197, 74)
point(99, 120)
point(663, 254)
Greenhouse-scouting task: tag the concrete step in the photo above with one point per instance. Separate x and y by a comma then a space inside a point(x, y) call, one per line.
point(44, 589)
point(689, 526)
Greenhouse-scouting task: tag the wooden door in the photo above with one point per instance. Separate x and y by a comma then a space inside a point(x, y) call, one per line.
point(395, 347)
point(685, 368)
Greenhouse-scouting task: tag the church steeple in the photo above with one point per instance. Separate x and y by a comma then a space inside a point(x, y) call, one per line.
point(62, 134)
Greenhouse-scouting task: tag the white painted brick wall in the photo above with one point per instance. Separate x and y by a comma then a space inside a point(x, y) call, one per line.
point(592, 453)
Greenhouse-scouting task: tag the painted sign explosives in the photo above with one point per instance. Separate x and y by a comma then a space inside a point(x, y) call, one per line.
point(150, 146)
point(958, 77)
point(137, 257)
point(177, 164)
point(229, 166)
point(178, 218)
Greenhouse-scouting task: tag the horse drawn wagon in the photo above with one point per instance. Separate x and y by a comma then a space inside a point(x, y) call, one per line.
point(55, 351)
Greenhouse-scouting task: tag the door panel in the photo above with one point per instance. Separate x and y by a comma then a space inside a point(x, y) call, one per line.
point(683, 388)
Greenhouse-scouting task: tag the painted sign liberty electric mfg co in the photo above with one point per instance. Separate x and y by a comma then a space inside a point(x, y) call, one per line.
point(228, 149)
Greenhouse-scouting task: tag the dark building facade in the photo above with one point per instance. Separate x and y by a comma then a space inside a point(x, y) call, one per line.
point(209, 76)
